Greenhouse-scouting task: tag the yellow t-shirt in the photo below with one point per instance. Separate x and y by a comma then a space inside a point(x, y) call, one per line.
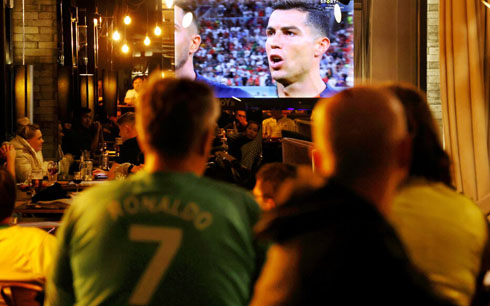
point(26, 253)
point(444, 233)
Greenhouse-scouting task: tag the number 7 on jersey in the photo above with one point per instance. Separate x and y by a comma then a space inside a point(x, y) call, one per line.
point(169, 240)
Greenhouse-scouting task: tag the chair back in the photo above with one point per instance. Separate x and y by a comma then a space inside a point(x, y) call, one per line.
point(22, 293)
point(296, 151)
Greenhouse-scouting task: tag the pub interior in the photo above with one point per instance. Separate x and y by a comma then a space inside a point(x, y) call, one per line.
point(371, 132)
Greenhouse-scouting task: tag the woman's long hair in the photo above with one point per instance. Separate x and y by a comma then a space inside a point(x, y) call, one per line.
point(429, 160)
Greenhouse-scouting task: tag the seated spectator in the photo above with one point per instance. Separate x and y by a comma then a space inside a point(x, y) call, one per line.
point(129, 151)
point(28, 144)
point(239, 124)
point(27, 253)
point(166, 235)
point(268, 180)
point(333, 246)
point(246, 147)
point(84, 134)
point(444, 232)
point(133, 94)
point(7, 153)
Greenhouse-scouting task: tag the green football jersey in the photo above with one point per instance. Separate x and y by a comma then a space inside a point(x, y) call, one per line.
point(157, 239)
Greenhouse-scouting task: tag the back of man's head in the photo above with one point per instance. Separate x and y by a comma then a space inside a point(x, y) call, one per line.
point(7, 194)
point(358, 132)
point(269, 179)
point(174, 115)
point(126, 118)
point(318, 18)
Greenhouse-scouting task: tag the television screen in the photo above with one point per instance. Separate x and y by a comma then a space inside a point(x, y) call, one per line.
point(247, 48)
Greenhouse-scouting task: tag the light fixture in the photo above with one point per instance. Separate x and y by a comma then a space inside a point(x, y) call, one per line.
point(116, 36)
point(157, 31)
point(96, 21)
point(187, 20)
point(337, 13)
point(125, 48)
point(169, 3)
point(163, 74)
point(127, 20)
point(147, 41)
point(486, 3)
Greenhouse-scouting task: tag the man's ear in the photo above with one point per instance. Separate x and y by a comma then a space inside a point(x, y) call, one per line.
point(404, 153)
point(204, 146)
point(321, 46)
point(195, 43)
point(317, 160)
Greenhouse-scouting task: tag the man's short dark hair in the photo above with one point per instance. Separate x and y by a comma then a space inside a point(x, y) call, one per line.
point(189, 7)
point(176, 114)
point(126, 118)
point(318, 18)
point(7, 194)
point(142, 78)
point(274, 174)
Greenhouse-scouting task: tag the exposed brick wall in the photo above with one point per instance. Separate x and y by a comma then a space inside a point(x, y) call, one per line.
point(41, 51)
point(433, 72)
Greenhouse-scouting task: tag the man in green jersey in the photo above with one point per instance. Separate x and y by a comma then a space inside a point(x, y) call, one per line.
point(166, 235)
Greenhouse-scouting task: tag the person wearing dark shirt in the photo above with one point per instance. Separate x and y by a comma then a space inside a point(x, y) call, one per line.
point(333, 246)
point(84, 134)
point(130, 157)
point(129, 151)
point(239, 123)
point(187, 42)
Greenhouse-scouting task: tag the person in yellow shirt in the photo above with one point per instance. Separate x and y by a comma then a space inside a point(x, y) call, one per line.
point(26, 253)
point(444, 232)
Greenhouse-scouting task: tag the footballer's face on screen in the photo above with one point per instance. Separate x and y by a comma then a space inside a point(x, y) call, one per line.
point(182, 39)
point(290, 46)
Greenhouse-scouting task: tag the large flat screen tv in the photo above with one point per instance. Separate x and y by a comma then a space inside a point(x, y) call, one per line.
point(252, 49)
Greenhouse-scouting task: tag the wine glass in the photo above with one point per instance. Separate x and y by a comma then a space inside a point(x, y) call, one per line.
point(52, 172)
point(77, 178)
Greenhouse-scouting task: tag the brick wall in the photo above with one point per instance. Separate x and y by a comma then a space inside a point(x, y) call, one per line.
point(433, 74)
point(41, 51)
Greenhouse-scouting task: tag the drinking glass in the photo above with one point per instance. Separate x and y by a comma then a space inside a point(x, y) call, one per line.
point(37, 179)
point(77, 179)
point(52, 172)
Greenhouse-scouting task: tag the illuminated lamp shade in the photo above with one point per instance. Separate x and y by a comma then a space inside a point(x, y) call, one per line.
point(187, 20)
point(157, 31)
point(169, 3)
point(23, 94)
point(109, 92)
point(147, 41)
point(337, 13)
point(127, 19)
point(96, 21)
point(116, 36)
point(125, 48)
point(87, 91)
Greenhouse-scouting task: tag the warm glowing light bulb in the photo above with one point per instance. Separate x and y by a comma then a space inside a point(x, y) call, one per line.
point(158, 31)
point(169, 3)
point(127, 19)
point(163, 74)
point(147, 40)
point(125, 48)
point(187, 20)
point(96, 21)
point(116, 35)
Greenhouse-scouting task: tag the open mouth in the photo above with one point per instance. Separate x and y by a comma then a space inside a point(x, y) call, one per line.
point(275, 61)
